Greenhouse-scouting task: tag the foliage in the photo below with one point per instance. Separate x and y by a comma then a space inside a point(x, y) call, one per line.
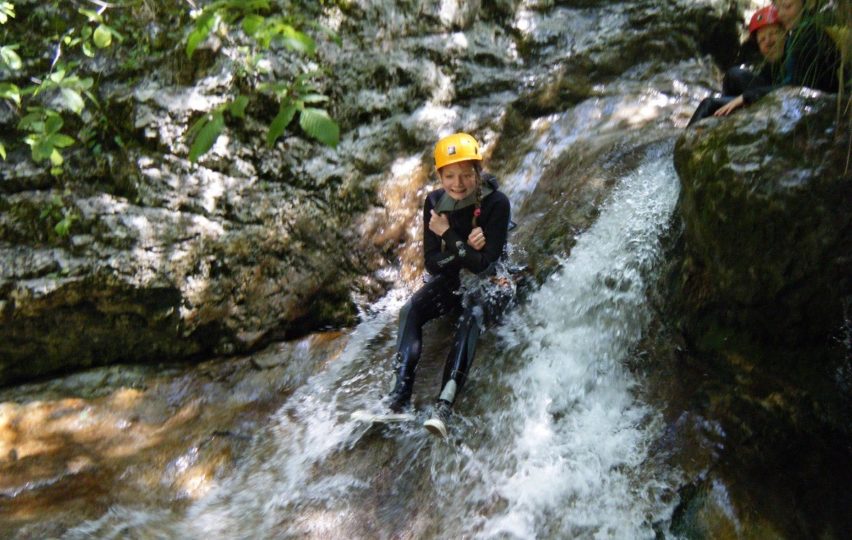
point(841, 34)
point(61, 216)
point(266, 30)
point(60, 90)
point(44, 137)
point(293, 98)
point(9, 60)
point(44, 72)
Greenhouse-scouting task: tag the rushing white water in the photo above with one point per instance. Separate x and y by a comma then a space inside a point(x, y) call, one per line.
point(551, 439)
point(576, 461)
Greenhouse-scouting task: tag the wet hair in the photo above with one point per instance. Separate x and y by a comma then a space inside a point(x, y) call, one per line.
point(477, 166)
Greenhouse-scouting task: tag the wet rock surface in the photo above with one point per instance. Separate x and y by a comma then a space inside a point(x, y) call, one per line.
point(766, 224)
point(170, 260)
point(757, 291)
point(253, 243)
point(159, 436)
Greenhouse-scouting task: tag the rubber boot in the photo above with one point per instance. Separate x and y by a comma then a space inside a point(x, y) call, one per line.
point(400, 395)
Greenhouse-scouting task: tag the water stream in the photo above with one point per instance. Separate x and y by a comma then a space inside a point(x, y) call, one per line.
point(550, 439)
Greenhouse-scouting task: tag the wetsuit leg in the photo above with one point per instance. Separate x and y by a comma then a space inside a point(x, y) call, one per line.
point(435, 298)
point(479, 313)
point(707, 107)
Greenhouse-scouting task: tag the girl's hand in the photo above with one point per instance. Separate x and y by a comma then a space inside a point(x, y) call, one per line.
point(730, 107)
point(476, 239)
point(438, 223)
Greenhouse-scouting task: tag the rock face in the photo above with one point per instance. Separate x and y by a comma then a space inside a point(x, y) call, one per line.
point(760, 289)
point(166, 259)
point(767, 228)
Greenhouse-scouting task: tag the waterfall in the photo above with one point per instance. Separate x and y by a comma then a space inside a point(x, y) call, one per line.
point(550, 439)
point(575, 439)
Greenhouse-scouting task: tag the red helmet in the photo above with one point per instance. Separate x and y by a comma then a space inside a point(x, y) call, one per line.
point(763, 17)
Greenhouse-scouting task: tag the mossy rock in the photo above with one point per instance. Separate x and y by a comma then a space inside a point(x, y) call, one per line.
point(765, 206)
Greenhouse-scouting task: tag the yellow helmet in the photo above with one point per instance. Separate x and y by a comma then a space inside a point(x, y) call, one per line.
point(456, 147)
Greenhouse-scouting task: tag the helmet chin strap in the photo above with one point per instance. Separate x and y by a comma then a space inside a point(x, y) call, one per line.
point(448, 204)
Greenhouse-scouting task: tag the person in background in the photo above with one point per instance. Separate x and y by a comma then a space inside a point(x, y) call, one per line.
point(742, 86)
point(811, 58)
point(465, 230)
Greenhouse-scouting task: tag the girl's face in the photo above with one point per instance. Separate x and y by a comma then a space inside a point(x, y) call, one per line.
point(789, 12)
point(458, 179)
point(770, 41)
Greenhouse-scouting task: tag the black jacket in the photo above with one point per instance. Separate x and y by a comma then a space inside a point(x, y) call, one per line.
point(454, 254)
point(810, 57)
point(768, 79)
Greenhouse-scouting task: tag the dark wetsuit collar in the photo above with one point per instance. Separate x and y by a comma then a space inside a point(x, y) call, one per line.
point(448, 204)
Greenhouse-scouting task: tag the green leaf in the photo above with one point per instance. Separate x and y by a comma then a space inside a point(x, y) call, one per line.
point(10, 58)
point(841, 37)
point(41, 148)
point(56, 158)
point(62, 227)
point(53, 123)
point(251, 23)
point(2, 151)
point(196, 127)
point(93, 16)
point(7, 11)
point(60, 140)
point(320, 126)
point(280, 89)
point(88, 50)
point(102, 36)
point(238, 106)
point(57, 76)
point(72, 100)
point(207, 136)
point(298, 41)
point(77, 83)
point(203, 26)
point(11, 92)
point(279, 123)
point(92, 98)
point(34, 121)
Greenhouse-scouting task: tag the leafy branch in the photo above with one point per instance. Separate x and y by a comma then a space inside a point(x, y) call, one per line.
point(294, 97)
point(61, 89)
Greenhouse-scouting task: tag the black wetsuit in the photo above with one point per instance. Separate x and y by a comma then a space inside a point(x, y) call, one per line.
point(810, 56)
point(445, 258)
point(739, 81)
point(810, 59)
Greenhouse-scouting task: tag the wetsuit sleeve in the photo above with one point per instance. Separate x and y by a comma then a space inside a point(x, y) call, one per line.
point(494, 221)
point(435, 260)
point(768, 74)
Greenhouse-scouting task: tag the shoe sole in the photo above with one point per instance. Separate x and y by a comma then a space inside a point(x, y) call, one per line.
point(387, 418)
point(436, 427)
